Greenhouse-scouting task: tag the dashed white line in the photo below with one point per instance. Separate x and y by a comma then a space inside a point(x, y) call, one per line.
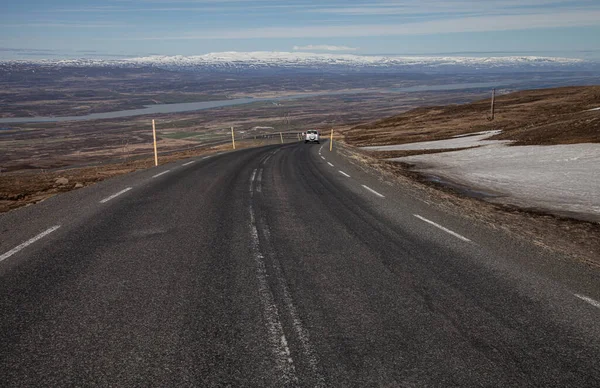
point(373, 191)
point(322, 157)
point(442, 228)
point(159, 174)
point(329, 163)
point(206, 157)
point(115, 195)
point(344, 174)
point(188, 163)
point(28, 242)
point(591, 301)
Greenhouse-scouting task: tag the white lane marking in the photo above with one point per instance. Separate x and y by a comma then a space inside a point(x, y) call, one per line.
point(322, 157)
point(591, 301)
point(301, 332)
point(206, 157)
point(115, 195)
point(161, 173)
point(188, 163)
point(252, 182)
point(28, 242)
point(329, 163)
point(442, 228)
point(267, 158)
point(344, 174)
point(259, 181)
point(277, 339)
point(373, 191)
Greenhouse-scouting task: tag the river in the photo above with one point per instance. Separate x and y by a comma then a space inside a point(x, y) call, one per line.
point(193, 106)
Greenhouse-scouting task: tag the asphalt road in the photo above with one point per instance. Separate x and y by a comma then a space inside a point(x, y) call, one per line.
point(282, 266)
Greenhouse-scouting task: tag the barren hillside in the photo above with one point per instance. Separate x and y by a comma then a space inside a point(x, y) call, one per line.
point(532, 117)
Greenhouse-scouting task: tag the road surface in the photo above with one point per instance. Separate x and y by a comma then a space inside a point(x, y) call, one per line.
point(282, 266)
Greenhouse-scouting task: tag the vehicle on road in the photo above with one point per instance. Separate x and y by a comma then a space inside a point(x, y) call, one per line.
point(312, 136)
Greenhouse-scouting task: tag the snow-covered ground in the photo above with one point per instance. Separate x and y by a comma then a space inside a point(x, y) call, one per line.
point(460, 141)
point(562, 179)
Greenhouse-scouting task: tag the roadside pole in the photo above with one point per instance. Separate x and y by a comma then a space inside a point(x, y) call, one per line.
point(493, 107)
point(155, 150)
point(331, 141)
point(493, 103)
point(281, 136)
point(232, 138)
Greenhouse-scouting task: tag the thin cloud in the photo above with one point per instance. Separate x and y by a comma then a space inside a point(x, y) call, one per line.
point(464, 24)
point(449, 8)
point(65, 25)
point(179, 6)
point(324, 47)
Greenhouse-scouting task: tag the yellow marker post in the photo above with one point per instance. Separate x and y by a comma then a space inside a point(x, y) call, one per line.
point(155, 151)
point(280, 135)
point(331, 141)
point(232, 138)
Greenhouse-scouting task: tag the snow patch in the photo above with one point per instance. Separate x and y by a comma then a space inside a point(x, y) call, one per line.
point(562, 178)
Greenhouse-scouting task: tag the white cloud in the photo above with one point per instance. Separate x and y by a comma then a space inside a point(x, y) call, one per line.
point(324, 47)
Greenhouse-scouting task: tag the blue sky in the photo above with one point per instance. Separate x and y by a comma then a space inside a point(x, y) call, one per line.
point(88, 28)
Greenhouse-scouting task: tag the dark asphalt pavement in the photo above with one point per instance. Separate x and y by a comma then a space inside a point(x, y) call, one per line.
point(283, 266)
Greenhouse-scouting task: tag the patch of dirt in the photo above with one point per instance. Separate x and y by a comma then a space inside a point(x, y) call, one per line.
point(532, 117)
point(401, 153)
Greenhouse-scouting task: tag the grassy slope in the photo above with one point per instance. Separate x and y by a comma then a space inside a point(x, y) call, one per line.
point(533, 117)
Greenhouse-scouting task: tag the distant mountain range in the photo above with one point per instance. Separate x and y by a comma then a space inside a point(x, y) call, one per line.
point(248, 61)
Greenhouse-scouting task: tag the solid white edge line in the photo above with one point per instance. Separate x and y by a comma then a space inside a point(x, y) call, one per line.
point(329, 163)
point(188, 163)
point(115, 195)
point(442, 228)
point(373, 191)
point(589, 300)
point(344, 174)
point(28, 242)
point(162, 173)
point(259, 181)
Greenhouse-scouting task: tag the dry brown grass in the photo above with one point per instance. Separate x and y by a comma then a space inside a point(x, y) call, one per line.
point(533, 117)
point(27, 187)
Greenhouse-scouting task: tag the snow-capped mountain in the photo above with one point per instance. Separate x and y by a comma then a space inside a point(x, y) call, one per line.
point(240, 61)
